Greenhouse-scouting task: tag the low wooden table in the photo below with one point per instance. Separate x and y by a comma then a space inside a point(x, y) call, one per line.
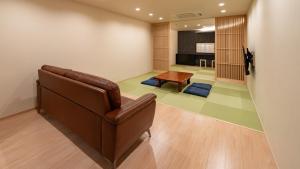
point(178, 77)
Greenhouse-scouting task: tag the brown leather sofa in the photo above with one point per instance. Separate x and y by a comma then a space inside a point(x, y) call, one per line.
point(93, 108)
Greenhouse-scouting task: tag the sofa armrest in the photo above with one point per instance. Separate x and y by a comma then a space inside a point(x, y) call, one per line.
point(128, 110)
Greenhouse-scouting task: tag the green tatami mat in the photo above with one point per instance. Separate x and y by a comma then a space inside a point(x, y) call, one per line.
point(228, 102)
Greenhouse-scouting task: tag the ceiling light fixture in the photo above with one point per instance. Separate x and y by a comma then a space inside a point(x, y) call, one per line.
point(222, 4)
point(150, 14)
point(137, 9)
point(199, 24)
point(185, 26)
point(223, 11)
point(160, 18)
point(207, 29)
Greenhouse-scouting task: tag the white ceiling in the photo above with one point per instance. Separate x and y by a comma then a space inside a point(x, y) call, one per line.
point(169, 9)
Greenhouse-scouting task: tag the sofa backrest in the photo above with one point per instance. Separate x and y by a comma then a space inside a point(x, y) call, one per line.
point(112, 89)
point(95, 93)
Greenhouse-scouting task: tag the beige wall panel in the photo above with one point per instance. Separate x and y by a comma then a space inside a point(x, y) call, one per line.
point(273, 34)
point(70, 35)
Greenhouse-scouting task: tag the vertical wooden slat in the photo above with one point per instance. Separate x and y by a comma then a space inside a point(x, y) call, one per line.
point(230, 38)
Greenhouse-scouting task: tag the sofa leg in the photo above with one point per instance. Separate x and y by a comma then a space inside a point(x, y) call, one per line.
point(115, 164)
point(39, 110)
point(38, 99)
point(149, 133)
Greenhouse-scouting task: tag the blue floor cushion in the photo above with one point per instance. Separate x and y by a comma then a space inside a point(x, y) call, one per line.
point(202, 86)
point(197, 91)
point(151, 82)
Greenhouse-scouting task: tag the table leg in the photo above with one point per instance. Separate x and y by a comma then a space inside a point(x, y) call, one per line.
point(188, 81)
point(159, 83)
point(180, 87)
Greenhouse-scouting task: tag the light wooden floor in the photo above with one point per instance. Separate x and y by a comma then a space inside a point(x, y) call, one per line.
point(180, 140)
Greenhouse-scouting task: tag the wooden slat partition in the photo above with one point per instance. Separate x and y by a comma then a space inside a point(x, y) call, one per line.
point(161, 46)
point(230, 38)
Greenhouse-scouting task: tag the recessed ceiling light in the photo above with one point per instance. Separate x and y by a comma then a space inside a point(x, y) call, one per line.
point(185, 26)
point(150, 14)
point(160, 18)
point(137, 9)
point(223, 11)
point(199, 24)
point(221, 4)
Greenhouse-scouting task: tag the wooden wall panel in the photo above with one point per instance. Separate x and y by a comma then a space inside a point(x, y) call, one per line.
point(161, 42)
point(161, 54)
point(161, 46)
point(230, 38)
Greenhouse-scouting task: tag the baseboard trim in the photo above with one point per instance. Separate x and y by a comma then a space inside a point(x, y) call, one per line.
point(231, 81)
point(6, 116)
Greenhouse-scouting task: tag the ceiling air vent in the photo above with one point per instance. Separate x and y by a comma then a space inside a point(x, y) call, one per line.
point(186, 15)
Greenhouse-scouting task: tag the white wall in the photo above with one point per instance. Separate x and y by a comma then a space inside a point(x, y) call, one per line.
point(67, 34)
point(173, 46)
point(273, 33)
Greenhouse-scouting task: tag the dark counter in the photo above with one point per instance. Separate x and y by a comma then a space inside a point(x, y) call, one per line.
point(194, 59)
